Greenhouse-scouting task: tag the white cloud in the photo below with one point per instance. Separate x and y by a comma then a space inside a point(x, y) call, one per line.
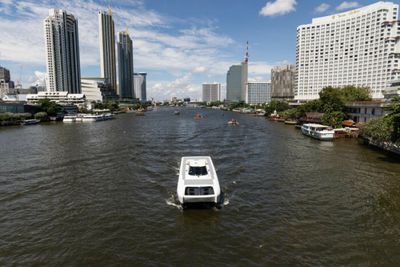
point(322, 8)
point(180, 87)
point(38, 78)
point(347, 5)
point(278, 7)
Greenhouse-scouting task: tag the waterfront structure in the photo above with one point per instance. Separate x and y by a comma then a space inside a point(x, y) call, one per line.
point(139, 80)
point(60, 97)
point(365, 111)
point(97, 89)
point(236, 80)
point(283, 82)
point(125, 65)
point(211, 92)
point(62, 52)
point(258, 93)
point(107, 48)
point(359, 47)
point(6, 85)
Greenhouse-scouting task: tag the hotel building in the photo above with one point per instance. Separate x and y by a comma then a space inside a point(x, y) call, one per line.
point(62, 52)
point(258, 93)
point(211, 92)
point(107, 48)
point(359, 47)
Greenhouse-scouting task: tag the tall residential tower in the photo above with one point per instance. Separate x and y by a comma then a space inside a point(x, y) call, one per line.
point(360, 47)
point(107, 48)
point(125, 65)
point(62, 52)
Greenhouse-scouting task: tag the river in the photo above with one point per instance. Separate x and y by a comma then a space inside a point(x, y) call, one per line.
point(103, 194)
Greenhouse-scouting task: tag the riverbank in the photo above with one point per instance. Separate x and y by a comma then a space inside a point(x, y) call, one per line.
point(386, 146)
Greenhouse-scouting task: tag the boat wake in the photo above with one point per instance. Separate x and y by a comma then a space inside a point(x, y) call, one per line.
point(171, 201)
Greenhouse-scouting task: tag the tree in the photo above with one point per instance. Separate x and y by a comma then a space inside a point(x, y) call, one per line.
point(393, 118)
point(50, 107)
point(334, 118)
point(352, 93)
point(277, 105)
point(41, 116)
point(331, 99)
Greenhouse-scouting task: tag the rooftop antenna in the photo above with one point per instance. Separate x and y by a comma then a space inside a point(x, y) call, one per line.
point(126, 30)
point(246, 59)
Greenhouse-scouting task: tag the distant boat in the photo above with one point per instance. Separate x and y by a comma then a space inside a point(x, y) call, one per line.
point(290, 122)
point(30, 122)
point(69, 118)
point(233, 122)
point(92, 118)
point(318, 131)
point(177, 112)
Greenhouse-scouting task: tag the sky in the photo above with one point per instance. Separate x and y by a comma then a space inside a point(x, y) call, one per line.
point(181, 44)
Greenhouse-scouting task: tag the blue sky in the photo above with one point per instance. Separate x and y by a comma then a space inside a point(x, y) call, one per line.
point(179, 43)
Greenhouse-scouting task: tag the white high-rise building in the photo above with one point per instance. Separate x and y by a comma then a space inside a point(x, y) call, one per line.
point(107, 48)
point(359, 47)
point(139, 81)
point(62, 52)
point(211, 92)
point(258, 93)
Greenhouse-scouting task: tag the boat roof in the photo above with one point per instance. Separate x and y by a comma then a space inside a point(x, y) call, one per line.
point(198, 161)
point(315, 125)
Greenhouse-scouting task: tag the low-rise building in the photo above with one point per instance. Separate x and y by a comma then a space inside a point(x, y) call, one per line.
point(60, 97)
point(258, 93)
point(97, 89)
point(364, 111)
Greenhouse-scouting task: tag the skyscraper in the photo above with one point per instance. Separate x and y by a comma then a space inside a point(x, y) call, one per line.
point(211, 92)
point(125, 65)
point(360, 47)
point(62, 52)
point(107, 48)
point(236, 80)
point(139, 81)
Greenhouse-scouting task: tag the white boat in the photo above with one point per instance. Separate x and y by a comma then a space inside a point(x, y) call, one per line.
point(69, 118)
point(108, 116)
point(30, 122)
point(233, 122)
point(92, 118)
point(318, 131)
point(198, 182)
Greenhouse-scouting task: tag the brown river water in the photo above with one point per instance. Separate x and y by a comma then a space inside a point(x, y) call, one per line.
point(103, 194)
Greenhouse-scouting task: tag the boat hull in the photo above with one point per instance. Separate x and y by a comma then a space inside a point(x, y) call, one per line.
point(323, 136)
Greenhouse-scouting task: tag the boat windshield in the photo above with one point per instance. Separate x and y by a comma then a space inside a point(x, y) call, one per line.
point(198, 170)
